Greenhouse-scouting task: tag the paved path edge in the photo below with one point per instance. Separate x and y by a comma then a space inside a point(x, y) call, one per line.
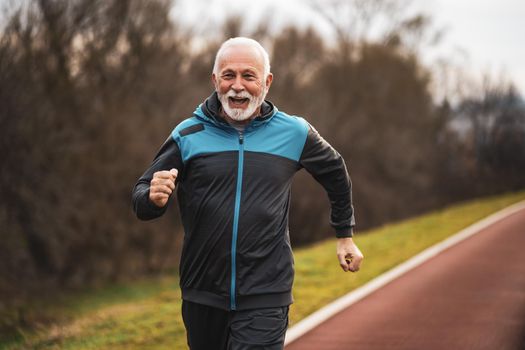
point(352, 297)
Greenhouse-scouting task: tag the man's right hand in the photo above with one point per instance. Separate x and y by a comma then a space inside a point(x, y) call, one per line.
point(161, 186)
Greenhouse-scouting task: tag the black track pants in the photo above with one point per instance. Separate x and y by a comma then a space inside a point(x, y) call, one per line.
point(209, 328)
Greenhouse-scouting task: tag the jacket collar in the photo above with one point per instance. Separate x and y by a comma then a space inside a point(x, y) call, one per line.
point(210, 109)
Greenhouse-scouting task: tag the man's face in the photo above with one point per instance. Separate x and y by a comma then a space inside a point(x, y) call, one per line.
point(240, 82)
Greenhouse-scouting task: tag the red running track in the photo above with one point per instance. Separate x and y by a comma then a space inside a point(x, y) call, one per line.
point(469, 297)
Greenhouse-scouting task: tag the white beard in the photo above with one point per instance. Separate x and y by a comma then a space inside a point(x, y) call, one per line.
point(239, 114)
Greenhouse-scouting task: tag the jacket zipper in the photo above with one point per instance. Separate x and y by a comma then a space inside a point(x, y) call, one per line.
point(240, 165)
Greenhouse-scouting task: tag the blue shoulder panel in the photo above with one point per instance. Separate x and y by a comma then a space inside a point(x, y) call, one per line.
point(210, 139)
point(283, 135)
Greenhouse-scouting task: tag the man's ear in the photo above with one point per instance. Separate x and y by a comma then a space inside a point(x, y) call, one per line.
point(214, 79)
point(269, 79)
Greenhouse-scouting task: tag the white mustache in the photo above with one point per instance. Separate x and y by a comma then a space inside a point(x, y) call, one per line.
point(242, 94)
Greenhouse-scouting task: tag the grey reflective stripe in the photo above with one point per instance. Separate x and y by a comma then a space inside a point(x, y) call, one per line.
point(191, 130)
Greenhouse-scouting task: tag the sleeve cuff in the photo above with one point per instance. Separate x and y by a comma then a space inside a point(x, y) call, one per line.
point(344, 232)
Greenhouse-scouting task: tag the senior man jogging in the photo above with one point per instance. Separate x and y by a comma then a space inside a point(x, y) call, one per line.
point(232, 165)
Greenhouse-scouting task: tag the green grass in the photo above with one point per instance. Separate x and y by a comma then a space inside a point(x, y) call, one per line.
point(146, 314)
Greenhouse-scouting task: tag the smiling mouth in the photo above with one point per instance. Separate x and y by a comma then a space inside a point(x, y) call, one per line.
point(235, 101)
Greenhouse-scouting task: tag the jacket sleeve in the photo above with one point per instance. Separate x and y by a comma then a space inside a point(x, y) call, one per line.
point(328, 168)
point(168, 157)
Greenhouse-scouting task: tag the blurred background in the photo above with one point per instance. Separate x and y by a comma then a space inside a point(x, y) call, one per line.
point(424, 101)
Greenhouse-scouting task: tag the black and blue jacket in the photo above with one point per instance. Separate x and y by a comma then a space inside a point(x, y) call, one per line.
point(233, 191)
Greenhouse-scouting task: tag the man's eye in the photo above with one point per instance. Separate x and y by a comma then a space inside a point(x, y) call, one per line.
point(227, 76)
point(249, 76)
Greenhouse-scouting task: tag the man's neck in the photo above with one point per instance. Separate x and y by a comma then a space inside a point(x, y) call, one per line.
point(238, 123)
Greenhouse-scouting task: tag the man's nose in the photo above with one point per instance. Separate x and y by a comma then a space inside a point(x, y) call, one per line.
point(237, 84)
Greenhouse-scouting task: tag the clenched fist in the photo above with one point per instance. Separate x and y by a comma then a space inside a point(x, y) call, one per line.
point(349, 255)
point(161, 186)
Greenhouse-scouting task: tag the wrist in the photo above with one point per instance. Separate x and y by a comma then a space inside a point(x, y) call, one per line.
point(344, 232)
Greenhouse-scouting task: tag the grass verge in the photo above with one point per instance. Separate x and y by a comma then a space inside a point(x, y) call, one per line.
point(146, 314)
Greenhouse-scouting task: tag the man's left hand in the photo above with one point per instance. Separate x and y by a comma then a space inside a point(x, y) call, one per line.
point(349, 255)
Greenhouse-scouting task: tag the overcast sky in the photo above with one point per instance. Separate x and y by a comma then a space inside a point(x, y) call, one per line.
point(481, 35)
point(492, 32)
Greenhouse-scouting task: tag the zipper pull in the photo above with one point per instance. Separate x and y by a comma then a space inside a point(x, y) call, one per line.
point(241, 138)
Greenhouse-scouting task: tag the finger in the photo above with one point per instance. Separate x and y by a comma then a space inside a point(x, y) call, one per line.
point(174, 172)
point(161, 189)
point(163, 174)
point(159, 174)
point(355, 264)
point(342, 262)
point(158, 196)
point(160, 199)
point(163, 182)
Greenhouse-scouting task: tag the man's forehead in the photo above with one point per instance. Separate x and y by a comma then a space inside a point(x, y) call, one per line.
point(243, 55)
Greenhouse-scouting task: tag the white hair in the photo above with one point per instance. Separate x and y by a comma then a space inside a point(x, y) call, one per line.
point(242, 41)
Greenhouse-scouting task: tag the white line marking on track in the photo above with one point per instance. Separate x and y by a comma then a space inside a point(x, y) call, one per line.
point(345, 301)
